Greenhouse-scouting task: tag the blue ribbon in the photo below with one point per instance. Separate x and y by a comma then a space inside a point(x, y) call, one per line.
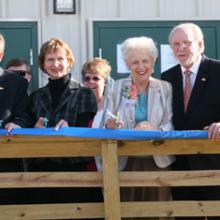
point(117, 134)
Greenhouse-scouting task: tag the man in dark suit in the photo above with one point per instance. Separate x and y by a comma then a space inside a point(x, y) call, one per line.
point(196, 103)
point(13, 93)
point(13, 98)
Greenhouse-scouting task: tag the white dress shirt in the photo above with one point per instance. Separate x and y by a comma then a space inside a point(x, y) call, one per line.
point(194, 69)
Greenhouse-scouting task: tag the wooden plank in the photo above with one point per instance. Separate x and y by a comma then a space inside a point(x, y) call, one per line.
point(47, 146)
point(40, 138)
point(96, 210)
point(110, 180)
point(55, 146)
point(94, 179)
point(171, 209)
point(168, 146)
point(52, 211)
point(50, 179)
point(170, 178)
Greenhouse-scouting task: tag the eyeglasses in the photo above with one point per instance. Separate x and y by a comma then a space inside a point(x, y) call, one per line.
point(88, 78)
point(21, 72)
point(182, 44)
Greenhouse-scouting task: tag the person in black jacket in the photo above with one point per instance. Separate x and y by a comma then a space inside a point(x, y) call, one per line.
point(203, 108)
point(13, 99)
point(60, 103)
point(13, 93)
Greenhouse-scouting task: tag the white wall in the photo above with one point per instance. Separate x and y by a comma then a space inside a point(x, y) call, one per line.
point(74, 28)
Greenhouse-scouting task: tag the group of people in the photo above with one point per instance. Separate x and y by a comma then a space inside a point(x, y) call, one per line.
point(186, 98)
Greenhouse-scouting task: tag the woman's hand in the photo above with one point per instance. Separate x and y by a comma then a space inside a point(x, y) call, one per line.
point(9, 126)
point(62, 123)
point(144, 125)
point(114, 122)
point(40, 123)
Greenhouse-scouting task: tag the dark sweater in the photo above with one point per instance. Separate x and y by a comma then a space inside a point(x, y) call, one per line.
point(57, 88)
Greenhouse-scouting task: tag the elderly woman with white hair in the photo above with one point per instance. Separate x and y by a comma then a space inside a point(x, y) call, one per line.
point(144, 103)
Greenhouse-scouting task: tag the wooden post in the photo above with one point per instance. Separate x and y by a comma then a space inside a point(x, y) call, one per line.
point(111, 180)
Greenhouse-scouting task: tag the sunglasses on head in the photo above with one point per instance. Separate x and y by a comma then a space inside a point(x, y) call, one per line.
point(88, 78)
point(21, 72)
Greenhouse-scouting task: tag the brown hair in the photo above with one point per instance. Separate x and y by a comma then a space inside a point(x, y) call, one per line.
point(52, 45)
point(97, 65)
point(18, 62)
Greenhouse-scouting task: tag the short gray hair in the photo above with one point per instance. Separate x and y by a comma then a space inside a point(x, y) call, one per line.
point(197, 32)
point(139, 42)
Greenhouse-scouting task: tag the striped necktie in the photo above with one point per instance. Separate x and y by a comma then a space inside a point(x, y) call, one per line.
point(187, 89)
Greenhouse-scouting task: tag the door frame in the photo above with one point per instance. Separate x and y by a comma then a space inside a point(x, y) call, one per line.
point(39, 76)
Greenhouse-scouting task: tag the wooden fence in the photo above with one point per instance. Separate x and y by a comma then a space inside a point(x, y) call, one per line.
point(111, 180)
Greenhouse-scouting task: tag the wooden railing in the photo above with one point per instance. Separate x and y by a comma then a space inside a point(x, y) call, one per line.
point(111, 180)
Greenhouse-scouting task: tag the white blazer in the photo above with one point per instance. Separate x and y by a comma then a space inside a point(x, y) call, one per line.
point(159, 109)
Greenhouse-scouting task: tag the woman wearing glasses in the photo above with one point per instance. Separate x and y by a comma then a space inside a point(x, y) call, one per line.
point(96, 76)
